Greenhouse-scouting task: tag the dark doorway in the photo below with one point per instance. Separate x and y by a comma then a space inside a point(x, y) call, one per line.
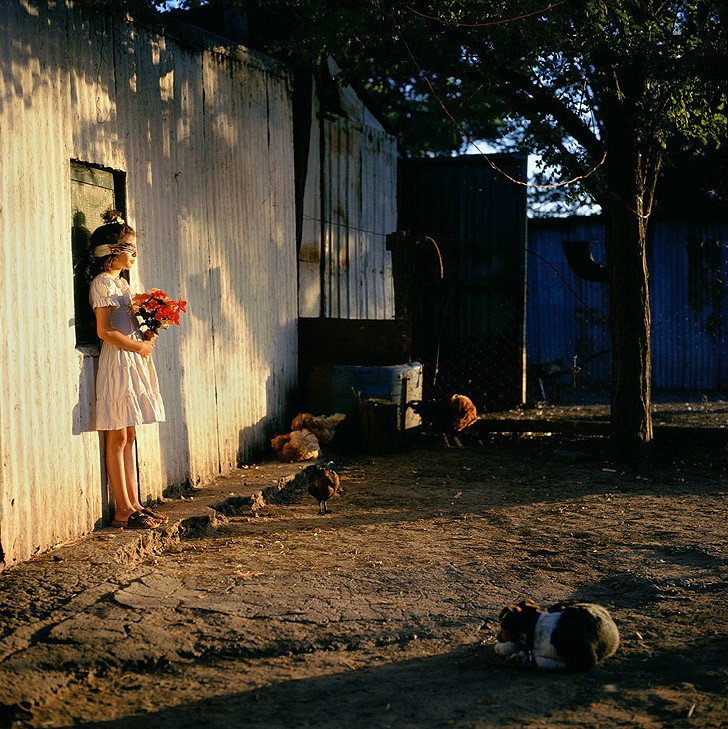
point(467, 222)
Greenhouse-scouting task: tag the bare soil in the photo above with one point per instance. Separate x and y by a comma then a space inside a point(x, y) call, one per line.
point(383, 613)
point(687, 411)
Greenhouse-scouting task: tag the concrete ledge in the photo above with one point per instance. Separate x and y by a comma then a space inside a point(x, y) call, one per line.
point(243, 491)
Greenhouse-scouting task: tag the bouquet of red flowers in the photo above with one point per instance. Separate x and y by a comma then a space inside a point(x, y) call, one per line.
point(155, 310)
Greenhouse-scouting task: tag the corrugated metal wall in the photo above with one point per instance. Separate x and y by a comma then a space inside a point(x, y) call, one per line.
point(350, 204)
point(688, 264)
point(205, 139)
point(566, 315)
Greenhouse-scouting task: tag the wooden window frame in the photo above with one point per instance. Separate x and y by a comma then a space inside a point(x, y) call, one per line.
point(87, 204)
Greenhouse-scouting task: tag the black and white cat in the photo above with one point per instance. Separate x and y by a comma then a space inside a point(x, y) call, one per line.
point(569, 635)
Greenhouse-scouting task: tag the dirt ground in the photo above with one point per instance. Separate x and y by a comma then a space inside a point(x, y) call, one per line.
point(383, 613)
point(700, 413)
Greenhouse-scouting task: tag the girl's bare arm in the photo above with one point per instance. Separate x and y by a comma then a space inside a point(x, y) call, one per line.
point(115, 337)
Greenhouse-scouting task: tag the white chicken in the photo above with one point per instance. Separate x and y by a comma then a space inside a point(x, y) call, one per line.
point(322, 426)
point(299, 445)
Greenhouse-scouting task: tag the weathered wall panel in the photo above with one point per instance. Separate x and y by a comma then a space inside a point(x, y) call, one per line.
point(309, 256)
point(567, 316)
point(359, 210)
point(688, 262)
point(45, 469)
point(210, 192)
point(379, 217)
point(246, 252)
point(350, 206)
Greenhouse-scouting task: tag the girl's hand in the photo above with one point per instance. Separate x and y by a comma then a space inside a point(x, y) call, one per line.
point(149, 335)
point(145, 348)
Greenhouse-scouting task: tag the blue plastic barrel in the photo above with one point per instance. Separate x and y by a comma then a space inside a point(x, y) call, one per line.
point(338, 388)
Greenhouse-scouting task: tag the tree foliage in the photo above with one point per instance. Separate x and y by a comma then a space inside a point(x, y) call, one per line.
point(546, 77)
point(447, 71)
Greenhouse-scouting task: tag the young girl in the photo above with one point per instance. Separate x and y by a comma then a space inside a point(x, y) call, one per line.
point(127, 392)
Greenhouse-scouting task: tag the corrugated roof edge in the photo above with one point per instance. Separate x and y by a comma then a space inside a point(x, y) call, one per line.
point(197, 38)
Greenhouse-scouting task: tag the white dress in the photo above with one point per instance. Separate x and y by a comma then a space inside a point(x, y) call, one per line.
point(127, 391)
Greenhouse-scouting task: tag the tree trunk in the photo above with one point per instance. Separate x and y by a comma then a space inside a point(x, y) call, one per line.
point(629, 320)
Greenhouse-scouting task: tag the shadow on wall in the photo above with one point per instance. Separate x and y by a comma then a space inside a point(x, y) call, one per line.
point(254, 440)
point(84, 412)
point(250, 443)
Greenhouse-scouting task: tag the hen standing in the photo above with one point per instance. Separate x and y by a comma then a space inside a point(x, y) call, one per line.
point(323, 484)
point(450, 416)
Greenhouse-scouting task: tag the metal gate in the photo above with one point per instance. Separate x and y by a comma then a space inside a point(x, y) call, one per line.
point(468, 222)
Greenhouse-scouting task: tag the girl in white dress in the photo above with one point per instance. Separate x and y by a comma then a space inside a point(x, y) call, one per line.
point(127, 391)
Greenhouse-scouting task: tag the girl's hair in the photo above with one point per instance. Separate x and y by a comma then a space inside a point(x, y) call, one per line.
point(110, 233)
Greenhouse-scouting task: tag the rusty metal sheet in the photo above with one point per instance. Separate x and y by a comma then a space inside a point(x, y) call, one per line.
point(350, 205)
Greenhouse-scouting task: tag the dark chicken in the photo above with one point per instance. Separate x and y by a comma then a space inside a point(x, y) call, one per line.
point(323, 484)
point(450, 416)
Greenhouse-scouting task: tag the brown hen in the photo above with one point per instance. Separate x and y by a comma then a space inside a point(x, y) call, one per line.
point(450, 416)
point(323, 484)
point(322, 426)
point(299, 445)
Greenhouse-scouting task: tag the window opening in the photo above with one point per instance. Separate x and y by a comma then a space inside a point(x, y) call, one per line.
point(93, 191)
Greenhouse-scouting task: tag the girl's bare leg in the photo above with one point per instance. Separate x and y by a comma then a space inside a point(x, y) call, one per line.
point(129, 470)
point(116, 471)
point(130, 473)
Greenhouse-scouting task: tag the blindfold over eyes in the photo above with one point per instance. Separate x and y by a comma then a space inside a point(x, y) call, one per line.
point(107, 250)
point(125, 248)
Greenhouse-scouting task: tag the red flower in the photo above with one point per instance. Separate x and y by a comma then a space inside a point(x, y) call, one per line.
point(155, 309)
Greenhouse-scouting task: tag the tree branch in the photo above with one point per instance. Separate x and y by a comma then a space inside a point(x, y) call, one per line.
point(528, 99)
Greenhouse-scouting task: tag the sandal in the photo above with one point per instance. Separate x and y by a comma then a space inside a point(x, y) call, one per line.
point(163, 518)
point(137, 520)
